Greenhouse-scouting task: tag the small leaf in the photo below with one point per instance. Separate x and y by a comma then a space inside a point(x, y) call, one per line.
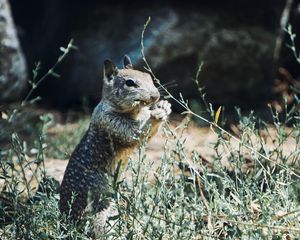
point(4, 115)
point(62, 49)
point(114, 217)
point(54, 74)
point(217, 115)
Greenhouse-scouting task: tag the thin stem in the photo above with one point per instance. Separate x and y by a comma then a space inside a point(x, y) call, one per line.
point(50, 71)
point(292, 37)
point(259, 225)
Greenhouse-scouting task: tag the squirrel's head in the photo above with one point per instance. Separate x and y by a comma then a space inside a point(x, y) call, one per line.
point(127, 90)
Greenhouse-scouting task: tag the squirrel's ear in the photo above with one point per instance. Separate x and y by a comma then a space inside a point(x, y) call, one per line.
point(109, 70)
point(127, 62)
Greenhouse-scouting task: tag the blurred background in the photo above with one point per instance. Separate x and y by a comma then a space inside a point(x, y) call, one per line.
point(241, 43)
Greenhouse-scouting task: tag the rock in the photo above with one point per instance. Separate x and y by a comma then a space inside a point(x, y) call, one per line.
point(238, 68)
point(13, 78)
point(238, 65)
point(235, 46)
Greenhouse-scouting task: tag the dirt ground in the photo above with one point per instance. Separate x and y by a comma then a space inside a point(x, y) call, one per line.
point(194, 138)
point(199, 139)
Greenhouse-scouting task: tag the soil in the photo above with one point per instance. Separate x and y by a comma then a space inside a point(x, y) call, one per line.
point(194, 139)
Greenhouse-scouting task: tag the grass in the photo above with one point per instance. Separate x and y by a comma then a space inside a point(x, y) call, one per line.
point(255, 196)
point(62, 138)
point(186, 200)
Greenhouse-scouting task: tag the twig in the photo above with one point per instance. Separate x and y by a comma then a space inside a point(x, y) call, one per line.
point(259, 225)
point(283, 22)
point(205, 202)
point(51, 71)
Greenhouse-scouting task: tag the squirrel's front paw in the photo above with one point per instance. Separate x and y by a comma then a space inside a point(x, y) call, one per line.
point(161, 110)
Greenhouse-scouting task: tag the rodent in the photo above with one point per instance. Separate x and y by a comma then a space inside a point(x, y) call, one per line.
point(129, 112)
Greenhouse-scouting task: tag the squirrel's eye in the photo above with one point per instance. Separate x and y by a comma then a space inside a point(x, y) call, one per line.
point(130, 83)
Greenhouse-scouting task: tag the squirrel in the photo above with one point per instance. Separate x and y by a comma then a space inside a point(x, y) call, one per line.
point(129, 112)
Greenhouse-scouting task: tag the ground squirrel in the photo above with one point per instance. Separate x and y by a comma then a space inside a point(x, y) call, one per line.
point(130, 111)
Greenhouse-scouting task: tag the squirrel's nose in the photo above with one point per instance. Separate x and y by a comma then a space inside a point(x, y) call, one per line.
point(155, 96)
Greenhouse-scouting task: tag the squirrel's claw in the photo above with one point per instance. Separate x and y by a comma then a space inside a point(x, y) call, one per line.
point(161, 110)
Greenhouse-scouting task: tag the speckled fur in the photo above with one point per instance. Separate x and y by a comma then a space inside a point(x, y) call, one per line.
point(123, 118)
